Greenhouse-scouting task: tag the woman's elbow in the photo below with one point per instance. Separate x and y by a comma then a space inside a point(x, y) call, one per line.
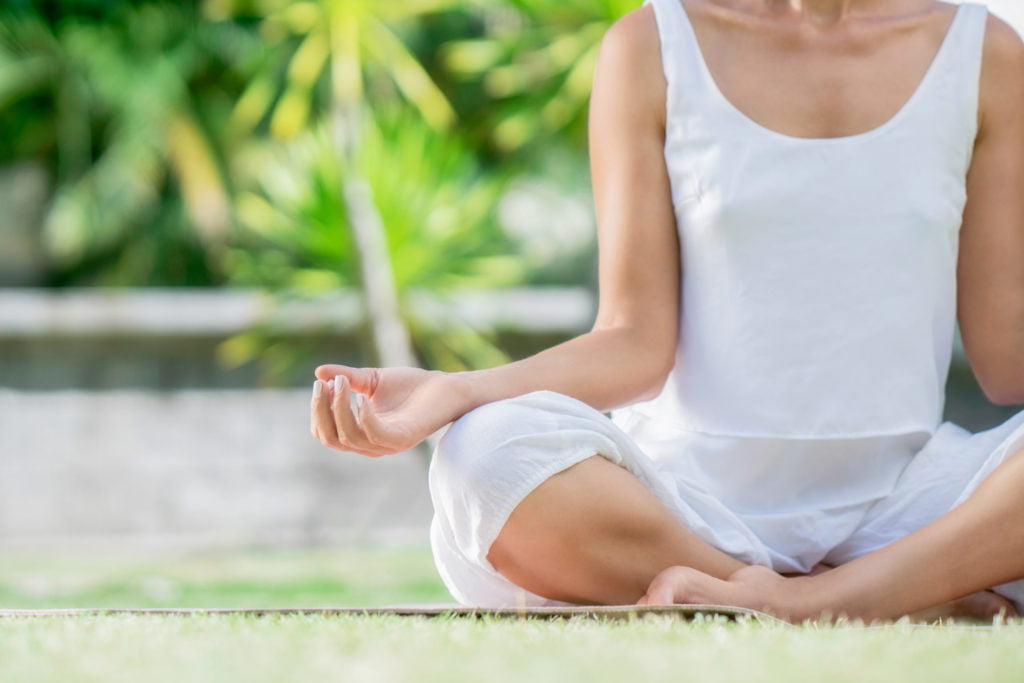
point(1002, 389)
point(1004, 397)
point(657, 376)
point(997, 366)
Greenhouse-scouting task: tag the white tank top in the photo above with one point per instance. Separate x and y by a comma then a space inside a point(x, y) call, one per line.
point(818, 274)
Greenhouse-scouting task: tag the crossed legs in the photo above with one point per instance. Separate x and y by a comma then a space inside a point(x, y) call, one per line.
point(593, 534)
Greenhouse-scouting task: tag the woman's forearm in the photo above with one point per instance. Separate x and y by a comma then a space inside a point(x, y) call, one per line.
point(604, 368)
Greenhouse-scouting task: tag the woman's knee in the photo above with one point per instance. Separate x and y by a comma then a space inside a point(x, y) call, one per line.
point(486, 463)
point(500, 439)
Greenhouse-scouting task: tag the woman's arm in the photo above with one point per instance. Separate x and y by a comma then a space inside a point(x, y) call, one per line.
point(631, 348)
point(990, 271)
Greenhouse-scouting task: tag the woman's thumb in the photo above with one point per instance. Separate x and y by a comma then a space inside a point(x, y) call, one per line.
point(361, 379)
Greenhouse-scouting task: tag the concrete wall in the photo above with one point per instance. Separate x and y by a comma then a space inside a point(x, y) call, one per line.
point(190, 470)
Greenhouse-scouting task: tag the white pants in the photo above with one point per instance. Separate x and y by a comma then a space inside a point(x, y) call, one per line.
point(492, 457)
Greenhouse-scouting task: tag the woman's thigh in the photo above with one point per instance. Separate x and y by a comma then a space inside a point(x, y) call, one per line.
point(945, 473)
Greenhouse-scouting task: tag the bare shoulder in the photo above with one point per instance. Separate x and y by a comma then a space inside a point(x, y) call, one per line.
point(630, 61)
point(635, 32)
point(1004, 48)
point(632, 42)
point(1002, 72)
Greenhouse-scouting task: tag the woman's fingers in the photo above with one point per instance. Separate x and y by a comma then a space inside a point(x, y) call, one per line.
point(332, 420)
point(363, 380)
point(347, 427)
point(322, 420)
point(312, 411)
point(338, 425)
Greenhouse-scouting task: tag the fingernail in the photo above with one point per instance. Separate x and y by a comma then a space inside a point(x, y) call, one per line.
point(337, 380)
point(318, 388)
point(330, 384)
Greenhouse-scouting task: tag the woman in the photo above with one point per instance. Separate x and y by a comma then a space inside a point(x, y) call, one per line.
point(796, 200)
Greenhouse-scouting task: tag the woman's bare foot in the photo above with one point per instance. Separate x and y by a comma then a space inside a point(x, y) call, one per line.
point(980, 606)
point(762, 589)
point(753, 587)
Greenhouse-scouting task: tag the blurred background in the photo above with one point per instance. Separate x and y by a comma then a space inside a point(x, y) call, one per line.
point(202, 200)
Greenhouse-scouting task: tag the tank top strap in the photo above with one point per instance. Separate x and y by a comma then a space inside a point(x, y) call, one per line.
point(958, 72)
point(681, 57)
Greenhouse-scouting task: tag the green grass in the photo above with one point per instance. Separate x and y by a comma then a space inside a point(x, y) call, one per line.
point(112, 648)
point(356, 577)
point(368, 649)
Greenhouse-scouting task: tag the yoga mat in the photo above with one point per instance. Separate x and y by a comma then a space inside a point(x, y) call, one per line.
point(603, 612)
point(596, 613)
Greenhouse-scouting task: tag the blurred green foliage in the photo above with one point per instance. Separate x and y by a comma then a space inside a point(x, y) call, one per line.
point(196, 143)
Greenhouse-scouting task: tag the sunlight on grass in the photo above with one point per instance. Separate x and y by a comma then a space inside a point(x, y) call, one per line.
point(355, 577)
point(219, 648)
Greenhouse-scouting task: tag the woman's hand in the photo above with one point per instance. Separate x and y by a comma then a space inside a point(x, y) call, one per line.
point(395, 408)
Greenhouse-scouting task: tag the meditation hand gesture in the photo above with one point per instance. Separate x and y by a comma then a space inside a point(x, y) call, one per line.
point(395, 408)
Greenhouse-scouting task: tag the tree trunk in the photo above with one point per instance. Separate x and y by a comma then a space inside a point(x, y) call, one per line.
point(390, 333)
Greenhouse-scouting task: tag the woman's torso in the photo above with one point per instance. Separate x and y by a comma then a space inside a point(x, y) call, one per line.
point(818, 285)
point(818, 274)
